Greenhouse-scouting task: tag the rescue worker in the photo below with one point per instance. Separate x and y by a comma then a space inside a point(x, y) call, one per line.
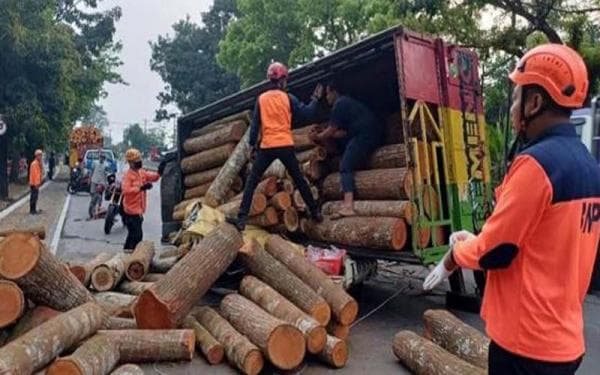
point(274, 113)
point(36, 171)
point(97, 184)
point(539, 245)
point(136, 182)
point(356, 125)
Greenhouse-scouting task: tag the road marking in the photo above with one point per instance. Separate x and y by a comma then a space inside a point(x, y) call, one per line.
point(60, 225)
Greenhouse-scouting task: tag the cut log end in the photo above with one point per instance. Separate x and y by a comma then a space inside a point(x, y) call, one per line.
point(336, 352)
point(253, 363)
point(399, 235)
point(423, 237)
point(215, 355)
point(160, 317)
point(79, 272)
point(65, 367)
point(103, 279)
point(348, 313)
point(286, 347)
point(316, 339)
point(13, 303)
point(19, 253)
point(135, 271)
point(290, 219)
point(321, 312)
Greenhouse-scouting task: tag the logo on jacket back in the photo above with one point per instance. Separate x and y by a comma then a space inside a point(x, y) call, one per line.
point(590, 214)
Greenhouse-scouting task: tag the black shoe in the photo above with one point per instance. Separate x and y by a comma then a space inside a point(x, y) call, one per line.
point(236, 222)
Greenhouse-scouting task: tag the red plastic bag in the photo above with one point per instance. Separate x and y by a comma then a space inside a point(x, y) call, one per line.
point(330, 261)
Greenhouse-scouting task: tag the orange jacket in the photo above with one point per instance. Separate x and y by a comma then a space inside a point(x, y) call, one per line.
point(539, 247)
point(35, 174)
point(134, 199)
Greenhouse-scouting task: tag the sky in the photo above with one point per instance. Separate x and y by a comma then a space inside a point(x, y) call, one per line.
point(142, 21)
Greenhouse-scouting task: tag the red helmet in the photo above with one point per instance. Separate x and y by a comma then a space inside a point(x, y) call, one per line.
point(277, 71)
point(558, 69)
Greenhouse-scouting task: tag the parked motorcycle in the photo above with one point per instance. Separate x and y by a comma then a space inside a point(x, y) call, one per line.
point(78, 181)
point(114, 196)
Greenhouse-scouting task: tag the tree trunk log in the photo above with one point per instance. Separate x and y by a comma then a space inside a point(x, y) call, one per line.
point(343, 306)
point(134, 288)
point(259, 205)
point(200, 178)
point(39, 231)
point(431, 203)
point(299, 201)
point(109, 274)
point(267, 219)
point(154, 345)
point(208, 159)
point(97, 356)
point(276, 169)
point(287, 186)
point(278, 306)
point(152, 277)
point(314, 170)
point(181, 206)
point(316, 154)
point(211, 348)
point(116, 304)
point(215, 125)
point(290, 219)
point(268, 186)
point(239, 350)
point(129, 369)
point(280, 342)
point(163, 265)
point(36, 348)
point(83, 272)
point(197, 191)
point(114, 323)
point(281, 201)
point(41, 276)
point(385, 233)
point(232, 132)
point(336, 329)
point(460, 339)
point(175, 251)
point(169, 300)
point(423, 357)
point(12, 303)
point(390, 156)
point(377, 184)
point(302, 141)
point(219, 188)
point(138, 263)
point(335, 352)
point(32, 318)
point(279, 277)
point(406, 210)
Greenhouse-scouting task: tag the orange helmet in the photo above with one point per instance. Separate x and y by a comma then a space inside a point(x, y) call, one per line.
point(133, 154)
point(558, 69)
point(277, 71)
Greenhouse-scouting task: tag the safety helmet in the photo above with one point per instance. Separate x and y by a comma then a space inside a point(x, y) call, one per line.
point(558, 69)
point(277, 71)
point(133, 154)
point(38, 152)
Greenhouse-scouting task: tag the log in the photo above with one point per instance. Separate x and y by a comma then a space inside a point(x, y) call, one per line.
point(302, 141)
point(336, 329)
point(239, 350)
point(109, 274)
point(207, 159)
point(281, 201)
point(268, 186)
point(169, 300)
point(98, 355)
point(138, 263)
point(460, 339)
point(41, 276)
point(163, 266)
point(269, 218)
point(278, 306)
point(335, 352)
point(128, 369)
point(423, 357)
point(276, 169)
point(115, 323)
point(431, 203)
point(83, 272)
point(232, 132)
point(115, 304)
point(377, 184)
point(290, 219)
point(389, 156)
point(199, 178)
point(32, 318)
point(211, 348)
point(243, 116)
point(153, 345)
point(317, 154)
point(439, 236)
point(287, 186)
point(36, 348)
point(282, 343)
point(406, 210)
point(178, 215)
point(174, 251)
point(279, 277)
point(181, 206)
point(423, 237)
point(12, 303)
point(385, 233)
point(343, 306)
point(259, 205)
point(39, 231)
point(313, 128)
point(134, 287)
point(152, 277)
point(197, 191)
point(314, 170)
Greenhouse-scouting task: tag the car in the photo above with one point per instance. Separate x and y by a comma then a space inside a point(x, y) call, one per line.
point(93, 155)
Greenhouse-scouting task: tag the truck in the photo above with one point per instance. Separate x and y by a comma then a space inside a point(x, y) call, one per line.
point(85, 144)
point(587, 123)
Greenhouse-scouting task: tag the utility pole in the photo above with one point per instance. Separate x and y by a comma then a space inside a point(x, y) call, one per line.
point(3, 159)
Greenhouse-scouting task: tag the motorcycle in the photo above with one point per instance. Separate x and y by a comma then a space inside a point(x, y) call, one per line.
point(78, 181)
point(115, 197)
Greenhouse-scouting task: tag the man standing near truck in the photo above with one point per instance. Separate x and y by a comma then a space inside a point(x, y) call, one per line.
point(539, 245)
point(36, 171)
point(97, 184)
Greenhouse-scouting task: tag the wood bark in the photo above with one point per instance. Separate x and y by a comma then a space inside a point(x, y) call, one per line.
point(302, 141)
point(115, 323)
point(424, 357)
point(163, 265)
point(153, 345)
point(240, 351)
point(83, 272)
point(299, 201)
point(32, 318)
point(128, 369)
point(39, 231)
point(208, 159)
point(460, 339)
point(98, 356)
point(224, 181)
point(173, 251)
point(278, 276)
point(313, 128)
point(343, 306)
point(423, 236)
point(259, 205)
point(109, 274)
point(287, 186)
point(181, 206)
point(314, 170)
point(282, 343)
point(197, 191)
point(115, 304)
point(439, 236)
point(269, 218)
point(138, 263)
point(268, 186)
point(170, 299)
point(385, 233)
point(152, 277)
point(276, 169)
point(210, 347)
point(281, 201)
point(376, 184)
point(406, 210)
point(134, 287)
point(244, 116)
point(36, 348)
point(178, 215)
point(290, 219)
point(431, 203)
point(199, 178)
point(389, 156)
point(316, 154)
point(231, 132)
point(335, 352)
point(12, 303)
point(278, 306)
point(41, 276)
point(336, 329)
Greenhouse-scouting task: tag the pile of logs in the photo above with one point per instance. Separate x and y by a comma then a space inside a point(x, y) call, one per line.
point(86, 135)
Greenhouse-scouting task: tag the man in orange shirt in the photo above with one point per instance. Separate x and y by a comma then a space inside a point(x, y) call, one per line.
point(539, 245)
point(136, 182)
point(36, 171)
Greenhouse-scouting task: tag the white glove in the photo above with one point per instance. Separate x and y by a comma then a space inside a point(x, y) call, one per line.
point(462, 235)
point(439, 274)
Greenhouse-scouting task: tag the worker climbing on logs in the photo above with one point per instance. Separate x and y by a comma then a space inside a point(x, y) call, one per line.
point(539, 245)
point(136, 182)
point(274, 113)
point(36, 171)
point(355, 126)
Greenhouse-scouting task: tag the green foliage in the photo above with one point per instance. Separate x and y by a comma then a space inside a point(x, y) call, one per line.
point(134, 136)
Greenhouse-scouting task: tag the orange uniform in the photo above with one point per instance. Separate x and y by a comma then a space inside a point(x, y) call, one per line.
point(35, 173)
point(539, 247)
point(134, 199)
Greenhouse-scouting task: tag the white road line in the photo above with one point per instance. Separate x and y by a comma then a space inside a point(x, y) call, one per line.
point(60, 225)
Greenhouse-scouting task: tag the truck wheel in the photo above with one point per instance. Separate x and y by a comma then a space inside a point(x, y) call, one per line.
point(109, 220)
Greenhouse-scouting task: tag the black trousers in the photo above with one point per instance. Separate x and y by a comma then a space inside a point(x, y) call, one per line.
point(135, 233)
point(264, 158)
point(503, 362)
point(33, 198)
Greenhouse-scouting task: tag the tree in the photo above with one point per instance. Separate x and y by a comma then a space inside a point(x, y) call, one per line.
point(135, 136)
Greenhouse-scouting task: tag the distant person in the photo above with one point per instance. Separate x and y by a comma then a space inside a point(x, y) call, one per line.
point(97, 183)
point(51, 165)
point(136, 182)
point(35, 181)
